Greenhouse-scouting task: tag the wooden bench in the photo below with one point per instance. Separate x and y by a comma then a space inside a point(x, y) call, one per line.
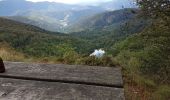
point(27, 81)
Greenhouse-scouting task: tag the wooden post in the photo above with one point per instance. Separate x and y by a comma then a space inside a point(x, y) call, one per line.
point(2, 67)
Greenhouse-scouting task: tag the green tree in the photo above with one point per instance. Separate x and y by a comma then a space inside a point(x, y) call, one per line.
point(155, 8)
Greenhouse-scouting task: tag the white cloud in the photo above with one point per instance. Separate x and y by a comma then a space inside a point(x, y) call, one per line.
point(98, 53)
point(72, 1)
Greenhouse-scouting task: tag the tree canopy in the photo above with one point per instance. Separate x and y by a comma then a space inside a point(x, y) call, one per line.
point(155, 8)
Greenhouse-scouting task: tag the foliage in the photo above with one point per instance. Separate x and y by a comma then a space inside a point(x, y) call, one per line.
point(155, 8)
point(33, 41)
point(145, 60)
point(93, 61)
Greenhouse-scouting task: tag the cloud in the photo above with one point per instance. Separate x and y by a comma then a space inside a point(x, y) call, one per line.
point(98, 53)
point(73, 1)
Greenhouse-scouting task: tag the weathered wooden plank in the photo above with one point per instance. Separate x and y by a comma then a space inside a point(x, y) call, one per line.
point(26, 81)
point(108, 76)
point(16, 89)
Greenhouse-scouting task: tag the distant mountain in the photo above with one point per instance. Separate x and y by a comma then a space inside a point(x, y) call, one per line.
point(54, 21)
point(106, 29)
point(19, 7)
point(118, 4)
point(50, 15)
point(105, 20)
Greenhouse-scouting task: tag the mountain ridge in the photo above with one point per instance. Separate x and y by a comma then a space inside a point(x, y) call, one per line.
point(52, 16)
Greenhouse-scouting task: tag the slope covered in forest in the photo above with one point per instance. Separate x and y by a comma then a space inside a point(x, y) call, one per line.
point(34, 41)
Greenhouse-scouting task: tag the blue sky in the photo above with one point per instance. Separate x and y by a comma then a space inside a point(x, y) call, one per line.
point(74, 1)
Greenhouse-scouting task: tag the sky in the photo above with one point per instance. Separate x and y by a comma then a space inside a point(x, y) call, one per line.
point(74, 1)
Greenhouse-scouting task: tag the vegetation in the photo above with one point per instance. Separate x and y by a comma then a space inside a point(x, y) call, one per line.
point(155, 8)
point(22, 42)
point(34, 41)
point(145, 60)
point(145, 56)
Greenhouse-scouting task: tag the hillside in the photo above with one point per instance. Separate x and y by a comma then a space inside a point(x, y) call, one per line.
point(145, 60)
point(106, 20)
point(105, 33)
point(34, 41)
point(141, 46)
point(110, 32)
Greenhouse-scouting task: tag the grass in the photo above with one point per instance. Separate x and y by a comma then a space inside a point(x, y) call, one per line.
point(9, 54)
